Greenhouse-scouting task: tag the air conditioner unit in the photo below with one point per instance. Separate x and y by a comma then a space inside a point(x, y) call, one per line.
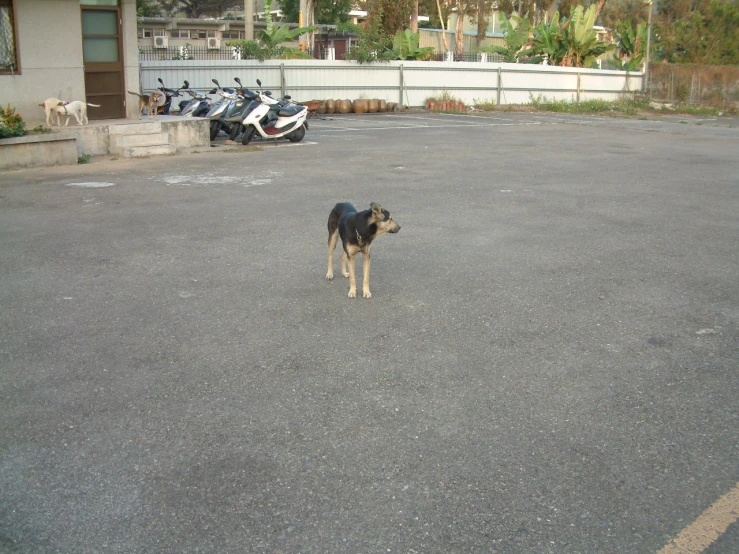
point(161, 42)
point(214, 44)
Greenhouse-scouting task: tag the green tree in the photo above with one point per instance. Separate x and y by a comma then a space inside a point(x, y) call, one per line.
point(394, 15)
point(326, 11)
point(707, 35)
point(148, 8)
point(619, 11)
point(372, 42)
point(195, 8)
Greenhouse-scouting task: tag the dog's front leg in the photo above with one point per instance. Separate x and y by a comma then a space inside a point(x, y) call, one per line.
point(352, 276)
point(365, 271)
point(344, 265)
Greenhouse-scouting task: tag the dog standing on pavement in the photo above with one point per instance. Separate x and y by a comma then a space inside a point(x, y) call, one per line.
point(357, 231)
point(50, 105)
point(76, 108)
point(150, 101)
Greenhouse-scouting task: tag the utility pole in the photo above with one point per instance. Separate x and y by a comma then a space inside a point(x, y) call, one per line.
point(645, 79)
point(306, 18)
point(249, 19)
point(414, 17)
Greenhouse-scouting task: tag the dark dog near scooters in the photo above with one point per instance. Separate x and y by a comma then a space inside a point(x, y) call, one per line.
point(357, 231)
point(148, 101)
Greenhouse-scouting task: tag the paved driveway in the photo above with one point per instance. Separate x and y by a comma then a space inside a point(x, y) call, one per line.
point(548, 362)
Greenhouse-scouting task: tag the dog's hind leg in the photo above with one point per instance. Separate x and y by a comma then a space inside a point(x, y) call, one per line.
point(332, 238)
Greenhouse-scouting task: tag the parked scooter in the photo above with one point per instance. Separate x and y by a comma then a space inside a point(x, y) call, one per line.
point(199, 105)
point(218, 109)
point(236, 112)
point(169, 93)
point(274, 119)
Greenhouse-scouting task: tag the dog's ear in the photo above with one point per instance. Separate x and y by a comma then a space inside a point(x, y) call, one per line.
point(376, 210)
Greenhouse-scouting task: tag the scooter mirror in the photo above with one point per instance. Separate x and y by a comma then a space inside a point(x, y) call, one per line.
point(216, 82)
point(160, 80)
point(259, 83)
point(237, 80)
point(187, 85)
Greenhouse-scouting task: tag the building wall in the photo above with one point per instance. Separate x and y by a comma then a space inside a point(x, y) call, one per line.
point(130, 56)
point(51, 62)
point(50, 51)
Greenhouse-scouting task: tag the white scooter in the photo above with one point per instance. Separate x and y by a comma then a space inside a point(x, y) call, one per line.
point(274, 119)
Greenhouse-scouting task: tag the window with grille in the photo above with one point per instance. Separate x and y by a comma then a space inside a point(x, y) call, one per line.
point(8, 42)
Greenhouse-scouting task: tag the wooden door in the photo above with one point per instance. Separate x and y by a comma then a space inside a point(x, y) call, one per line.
point(102, 55)
point(340, 46)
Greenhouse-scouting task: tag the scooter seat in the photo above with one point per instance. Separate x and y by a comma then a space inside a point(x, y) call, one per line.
point(289, 111)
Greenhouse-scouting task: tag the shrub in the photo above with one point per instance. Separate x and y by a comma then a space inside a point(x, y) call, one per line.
point(11, 124)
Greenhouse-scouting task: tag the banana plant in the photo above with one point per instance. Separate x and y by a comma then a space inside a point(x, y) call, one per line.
point(549, 39)
point(516, 30)
point(406, 47)
point(583, 44)
point(570, 42)
point(630, 45)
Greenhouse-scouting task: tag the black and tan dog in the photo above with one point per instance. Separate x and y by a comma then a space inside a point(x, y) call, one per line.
point(357, 231)
point(150, 101)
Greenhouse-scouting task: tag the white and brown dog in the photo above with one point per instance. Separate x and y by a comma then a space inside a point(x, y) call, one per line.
point(77, 108)
point(50, 105)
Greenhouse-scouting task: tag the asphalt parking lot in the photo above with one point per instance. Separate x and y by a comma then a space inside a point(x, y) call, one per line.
point(548, 363)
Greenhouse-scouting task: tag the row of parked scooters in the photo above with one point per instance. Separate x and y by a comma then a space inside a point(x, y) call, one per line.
point(241, 112)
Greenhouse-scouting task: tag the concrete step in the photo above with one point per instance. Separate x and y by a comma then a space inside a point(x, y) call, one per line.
point(136, 128)
point(144, 151)
point(118, 142)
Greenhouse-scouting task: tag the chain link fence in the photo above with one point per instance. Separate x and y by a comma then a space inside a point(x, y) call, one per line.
point(711, 85)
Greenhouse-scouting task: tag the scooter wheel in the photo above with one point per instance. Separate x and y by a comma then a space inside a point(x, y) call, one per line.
point(297, 135)
point(214, 128)
point(235, 130)
point(249, 131)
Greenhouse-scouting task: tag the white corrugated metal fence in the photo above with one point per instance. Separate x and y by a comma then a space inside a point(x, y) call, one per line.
point(409, 83)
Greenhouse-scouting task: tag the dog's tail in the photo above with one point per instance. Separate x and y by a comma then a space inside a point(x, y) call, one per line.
point(134, 93)
point(93, 105)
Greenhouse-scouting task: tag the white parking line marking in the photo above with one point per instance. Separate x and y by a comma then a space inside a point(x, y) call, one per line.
point(709, 526)
point(320, 129)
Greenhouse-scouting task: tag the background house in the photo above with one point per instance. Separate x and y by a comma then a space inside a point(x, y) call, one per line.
point(166, 37)
point(68, 49)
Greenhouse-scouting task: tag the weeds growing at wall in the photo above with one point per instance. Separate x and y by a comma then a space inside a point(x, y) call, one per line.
point(11, 123)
